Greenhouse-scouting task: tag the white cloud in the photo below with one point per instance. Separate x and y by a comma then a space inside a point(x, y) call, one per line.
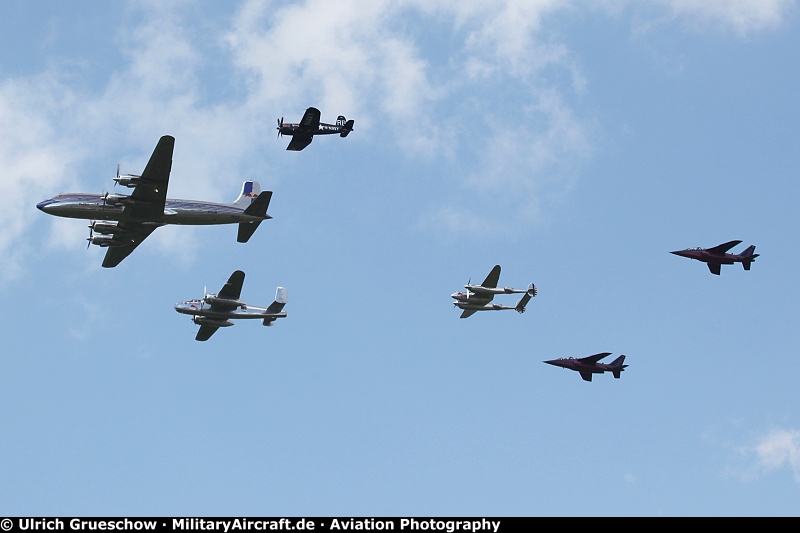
point(780, 448)
point(769, 452)
point(743, 17)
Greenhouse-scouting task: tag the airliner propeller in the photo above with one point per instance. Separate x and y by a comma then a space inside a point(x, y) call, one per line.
point(91, 234)
point(116, 181)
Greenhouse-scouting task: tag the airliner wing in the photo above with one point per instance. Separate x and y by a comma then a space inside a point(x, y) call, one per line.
point(150, 194)
point(133, 232)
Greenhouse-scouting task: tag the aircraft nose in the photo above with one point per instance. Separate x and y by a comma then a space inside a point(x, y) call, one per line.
point(42, 205)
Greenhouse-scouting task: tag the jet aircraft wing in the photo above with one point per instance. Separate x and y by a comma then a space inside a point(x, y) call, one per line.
point(134, 232)
point(309, 125)
point(593, 359)
point(587, 376)
point(723, 248)
point(714, 267)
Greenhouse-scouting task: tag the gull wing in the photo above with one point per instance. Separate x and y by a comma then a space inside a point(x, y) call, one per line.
point(309, 125)
point(723, 248)
point(150, 194)
point(593, 359)
point(134, 232)
point(299, 141)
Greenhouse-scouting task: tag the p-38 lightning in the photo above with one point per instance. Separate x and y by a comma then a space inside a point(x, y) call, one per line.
point(303, 132)
point(216, 311)
point(121, 222)
point(479, 297)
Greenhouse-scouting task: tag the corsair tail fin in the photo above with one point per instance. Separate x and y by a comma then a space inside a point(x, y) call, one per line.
point(617, 367)
point(275, 309)
point(250, 191)
point(347, 126)
point(748, 257)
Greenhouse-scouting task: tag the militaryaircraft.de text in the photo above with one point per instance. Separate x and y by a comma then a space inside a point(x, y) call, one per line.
point(479, 297)
point(587, 366)
point(303, 132)
point(718, 255)
point(216, 311)
point(121, 222)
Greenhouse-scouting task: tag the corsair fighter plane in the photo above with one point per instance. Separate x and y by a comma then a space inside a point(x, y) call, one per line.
point(303, 132)
point(120, 222)
point(216, 311)
point(479, 297)
point(718, 255)
point(587, 366)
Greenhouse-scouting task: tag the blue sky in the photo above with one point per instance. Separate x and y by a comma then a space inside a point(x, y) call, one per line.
point(575, 144)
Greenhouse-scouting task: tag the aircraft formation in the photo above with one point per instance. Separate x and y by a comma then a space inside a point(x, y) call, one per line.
point(122, 222)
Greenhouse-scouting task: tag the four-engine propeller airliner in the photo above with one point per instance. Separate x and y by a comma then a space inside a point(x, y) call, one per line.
point(479, 297)
point(587, 366)
point(121, 222)
point(303, 132)
point(216, 311)
point(718, 255)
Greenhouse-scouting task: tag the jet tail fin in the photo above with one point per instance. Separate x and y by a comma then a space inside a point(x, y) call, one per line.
point(257, 209)
point(617, 367)
point(748, 257)
point(276, 307)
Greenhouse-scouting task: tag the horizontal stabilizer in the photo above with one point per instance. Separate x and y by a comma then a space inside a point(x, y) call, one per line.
point(257, 209)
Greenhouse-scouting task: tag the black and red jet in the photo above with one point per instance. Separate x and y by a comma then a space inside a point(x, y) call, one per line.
point(590, 365)
point(718, 255)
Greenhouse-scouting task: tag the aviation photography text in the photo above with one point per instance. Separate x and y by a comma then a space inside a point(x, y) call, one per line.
point(230, 525)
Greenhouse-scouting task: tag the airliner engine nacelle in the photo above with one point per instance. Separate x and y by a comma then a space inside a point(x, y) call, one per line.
point(105, 228)
point(206, 321)
point(212, 299)
point(104, 241)
point(117, 199)
point(129, 180)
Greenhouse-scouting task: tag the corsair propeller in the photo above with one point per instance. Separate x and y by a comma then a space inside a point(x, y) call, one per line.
point(280, 127)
